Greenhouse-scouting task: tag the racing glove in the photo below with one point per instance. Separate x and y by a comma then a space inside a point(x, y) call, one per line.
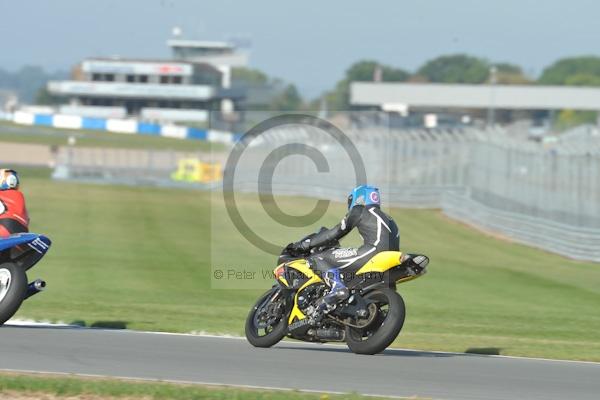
point(302, 246)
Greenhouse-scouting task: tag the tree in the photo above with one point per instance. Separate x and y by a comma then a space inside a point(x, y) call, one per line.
point(27, 81)
point(562, 70)
point(510, 74)
point(570, 118)
point(455, 68)
point(507, 68)
point(264, 92)
point(364, 71)
point(288, 100)
point(361, 71)
point(573, 71)
point(583, 79)
point(248, 76)
point(44, 97)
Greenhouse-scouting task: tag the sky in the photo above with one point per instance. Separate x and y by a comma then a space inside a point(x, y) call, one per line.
point(309, 43)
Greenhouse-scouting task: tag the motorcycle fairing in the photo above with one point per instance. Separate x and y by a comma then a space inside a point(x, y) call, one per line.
point(389, 262)
point(381, 262)
point(25, 249)
point(397, 267)
point(300, 265)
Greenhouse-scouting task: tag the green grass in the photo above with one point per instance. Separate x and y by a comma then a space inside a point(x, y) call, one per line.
point(141, 258)
point(77, 387)
point(10, 132)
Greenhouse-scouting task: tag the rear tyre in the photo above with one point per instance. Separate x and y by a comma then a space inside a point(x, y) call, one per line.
point(266, 324)
point(13, 288)
point(384, 329)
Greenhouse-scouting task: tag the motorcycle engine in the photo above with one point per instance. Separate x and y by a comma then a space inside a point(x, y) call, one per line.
point(308, 297)
point(324, 330)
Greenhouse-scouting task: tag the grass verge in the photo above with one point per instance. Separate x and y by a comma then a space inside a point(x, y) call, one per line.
point(141, 258)
point(35, 386)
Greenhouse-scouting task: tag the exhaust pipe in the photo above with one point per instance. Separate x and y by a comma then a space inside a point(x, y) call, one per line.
point(330, 334)
point(35, 287)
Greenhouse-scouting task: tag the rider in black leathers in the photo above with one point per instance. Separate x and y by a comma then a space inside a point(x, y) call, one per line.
point(379, 233)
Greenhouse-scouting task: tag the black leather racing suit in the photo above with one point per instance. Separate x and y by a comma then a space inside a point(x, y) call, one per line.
point(377, 229)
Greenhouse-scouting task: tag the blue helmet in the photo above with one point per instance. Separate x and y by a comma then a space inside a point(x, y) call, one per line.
point(364, 195)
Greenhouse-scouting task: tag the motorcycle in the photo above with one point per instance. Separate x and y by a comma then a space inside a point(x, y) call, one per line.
point(368, 320)
point(18, 254)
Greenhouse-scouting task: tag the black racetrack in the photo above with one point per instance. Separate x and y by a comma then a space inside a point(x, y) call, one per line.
point(232, 361)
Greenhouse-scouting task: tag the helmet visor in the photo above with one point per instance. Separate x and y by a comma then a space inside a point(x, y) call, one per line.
point(8, 179)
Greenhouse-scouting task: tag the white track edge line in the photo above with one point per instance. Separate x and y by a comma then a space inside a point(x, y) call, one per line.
point(198, 383)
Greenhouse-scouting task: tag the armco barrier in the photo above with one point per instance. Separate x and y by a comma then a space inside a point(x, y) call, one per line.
point(126, 126)
point(145, 128)
point(43, 119)
point(122, 125)
point(570, 241)
point(93, 123)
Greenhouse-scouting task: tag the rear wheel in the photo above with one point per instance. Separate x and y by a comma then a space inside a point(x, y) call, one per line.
point(379, 334)
point(266, 324)
point(13, 288)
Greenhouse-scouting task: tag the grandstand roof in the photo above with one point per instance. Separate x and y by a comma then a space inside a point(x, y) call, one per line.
point(526, 97)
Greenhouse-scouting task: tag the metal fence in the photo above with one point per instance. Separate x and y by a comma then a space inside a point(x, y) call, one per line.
point(413, 167)
point(133, 167)
point(546, 195)
point(568, 240)
point(542, 183)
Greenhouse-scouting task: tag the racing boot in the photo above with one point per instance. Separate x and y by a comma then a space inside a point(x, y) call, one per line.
point(338, 292)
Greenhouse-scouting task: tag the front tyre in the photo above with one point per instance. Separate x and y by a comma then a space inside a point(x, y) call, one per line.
point(13, 288)
point(379, 334)
point(266, 324)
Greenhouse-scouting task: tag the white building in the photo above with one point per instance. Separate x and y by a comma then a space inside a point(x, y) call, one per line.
point(186, 88)
point(405, 97)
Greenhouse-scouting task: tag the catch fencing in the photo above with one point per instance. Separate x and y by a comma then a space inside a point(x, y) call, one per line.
point(543, 194)
point(166, 168)
point(572, 241)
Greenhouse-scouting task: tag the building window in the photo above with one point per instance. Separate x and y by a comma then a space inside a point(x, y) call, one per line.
point(96, 77)
point(143, 78)
point(164, 79)
point(109, 77)
point(130, 78)
point(177, 80)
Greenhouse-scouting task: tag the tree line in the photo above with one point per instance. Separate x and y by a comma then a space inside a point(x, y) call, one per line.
point(453, 68)
point(27, 81)
point(277, 95)
point(462, 68)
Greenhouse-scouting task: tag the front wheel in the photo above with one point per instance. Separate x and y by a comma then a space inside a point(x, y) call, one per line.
point(379, 334)
point(266, 324)
point(13, 288)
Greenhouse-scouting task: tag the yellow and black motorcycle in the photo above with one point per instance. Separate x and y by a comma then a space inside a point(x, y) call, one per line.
point(368, 321)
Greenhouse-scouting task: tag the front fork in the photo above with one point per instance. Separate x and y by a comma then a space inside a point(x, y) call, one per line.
point(273, 307)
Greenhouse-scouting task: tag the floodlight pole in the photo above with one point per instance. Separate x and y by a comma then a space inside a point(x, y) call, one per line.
point(491, 117)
